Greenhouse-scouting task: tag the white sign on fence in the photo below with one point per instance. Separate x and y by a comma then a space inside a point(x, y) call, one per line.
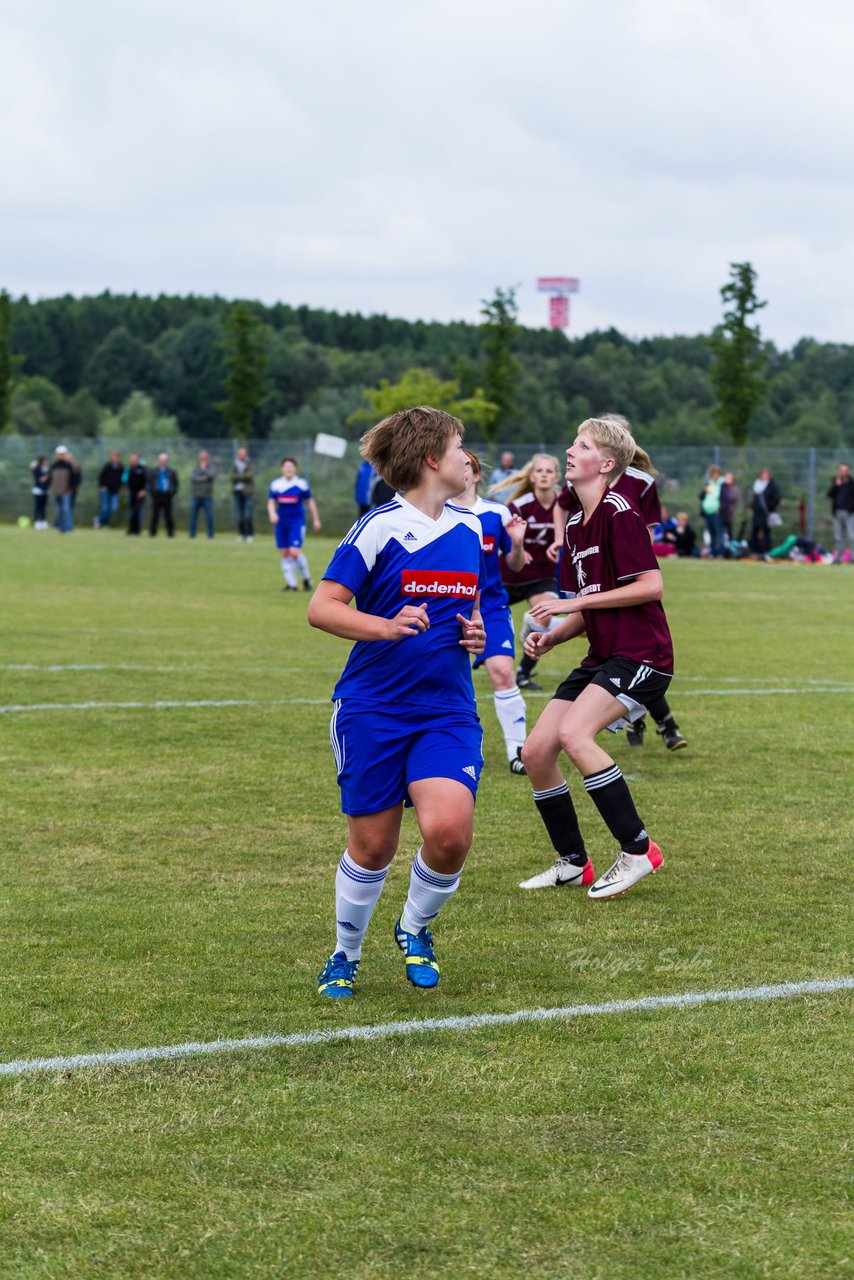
point(331, 446)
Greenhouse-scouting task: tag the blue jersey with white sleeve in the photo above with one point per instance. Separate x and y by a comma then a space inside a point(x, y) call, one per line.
point(394, 556)
point(494, 518)
point(290, 497)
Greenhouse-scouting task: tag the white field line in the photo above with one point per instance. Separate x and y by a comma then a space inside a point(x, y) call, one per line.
point(162, 705)
point(170, 704)
point(472, 1022)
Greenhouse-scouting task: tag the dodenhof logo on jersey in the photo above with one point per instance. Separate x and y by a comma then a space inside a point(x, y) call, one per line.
point(488, 544)
point(438, 582)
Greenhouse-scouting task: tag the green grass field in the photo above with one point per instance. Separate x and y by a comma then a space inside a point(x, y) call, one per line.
point(167, 877)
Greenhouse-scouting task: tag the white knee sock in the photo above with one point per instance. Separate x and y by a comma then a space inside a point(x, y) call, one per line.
point(288, 571)
point(510, 709)
point(357, 892)
point(529, 624)
point(428, 892)
point(302, 565)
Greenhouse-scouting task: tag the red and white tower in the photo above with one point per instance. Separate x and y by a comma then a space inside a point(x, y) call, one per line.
point(560, 287)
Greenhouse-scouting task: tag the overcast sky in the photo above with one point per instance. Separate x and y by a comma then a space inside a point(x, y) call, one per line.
point(406, 158)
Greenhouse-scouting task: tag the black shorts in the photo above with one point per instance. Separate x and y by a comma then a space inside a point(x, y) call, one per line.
point(633, 683)
point(524, 590)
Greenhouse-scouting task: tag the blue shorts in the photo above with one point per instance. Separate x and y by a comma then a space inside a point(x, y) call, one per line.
point(289, 535)
point(499, 635)
point(378, 754)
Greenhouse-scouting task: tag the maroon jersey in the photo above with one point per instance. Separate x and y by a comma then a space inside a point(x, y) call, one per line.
point(633, 483)
point(539, 536)
point(612, 548)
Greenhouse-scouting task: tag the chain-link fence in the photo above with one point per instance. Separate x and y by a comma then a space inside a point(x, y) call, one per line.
point(803, 475)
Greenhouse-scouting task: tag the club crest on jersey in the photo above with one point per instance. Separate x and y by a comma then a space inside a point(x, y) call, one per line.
point(438, 582)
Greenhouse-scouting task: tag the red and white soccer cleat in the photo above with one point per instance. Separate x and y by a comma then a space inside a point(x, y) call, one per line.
point(563, 872)
point(626, 871)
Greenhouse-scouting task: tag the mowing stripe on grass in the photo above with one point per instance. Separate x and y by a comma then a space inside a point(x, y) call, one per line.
point(472, 1022)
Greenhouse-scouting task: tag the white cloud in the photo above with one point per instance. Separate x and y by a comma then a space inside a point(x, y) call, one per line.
point(408, 159)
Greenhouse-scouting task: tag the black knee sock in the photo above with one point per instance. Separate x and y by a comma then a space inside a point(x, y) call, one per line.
point(609, 791)
point(558, 813)
point(659, 709)
point(526, 666)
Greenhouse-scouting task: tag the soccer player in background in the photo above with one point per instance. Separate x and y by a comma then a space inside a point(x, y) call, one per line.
point(614, 572)
point(503, 543)
point(286, 503)
point(531, 494)
point(638, 484)
point(404, 726)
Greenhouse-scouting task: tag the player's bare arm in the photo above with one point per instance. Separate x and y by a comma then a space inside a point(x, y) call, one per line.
point(272, 512)
point(560, 519)
point(515, 559)
point(329, 610)
point(643, 589)
point(540, 642)
point(315, 518)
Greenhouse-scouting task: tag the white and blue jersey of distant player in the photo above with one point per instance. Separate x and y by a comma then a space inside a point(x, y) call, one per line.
point(290, 497)
point(394, 556)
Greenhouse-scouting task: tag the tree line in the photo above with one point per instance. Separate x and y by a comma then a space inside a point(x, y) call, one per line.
point(205, 366)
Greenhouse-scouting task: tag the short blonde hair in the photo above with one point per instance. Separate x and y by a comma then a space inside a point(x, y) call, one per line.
point(397, 446)
point(641, 460)
point(614, 440)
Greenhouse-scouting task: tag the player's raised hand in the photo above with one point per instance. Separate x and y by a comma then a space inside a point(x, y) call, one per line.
point(554, 551)
point(474, 633)
point(516, 527)
point(544, 610)
point(411, 619)
point(538, 643)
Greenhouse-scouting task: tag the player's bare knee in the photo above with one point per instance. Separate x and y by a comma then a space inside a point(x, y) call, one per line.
point(537, 757)
point(373, 853)
point(447, 842)
point(574, 742)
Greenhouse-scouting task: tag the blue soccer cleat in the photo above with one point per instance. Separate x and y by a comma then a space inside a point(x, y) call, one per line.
point(422, 969)
point(337, 978)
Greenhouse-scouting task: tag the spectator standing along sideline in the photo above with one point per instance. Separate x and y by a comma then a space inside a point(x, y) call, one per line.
point(201, 490)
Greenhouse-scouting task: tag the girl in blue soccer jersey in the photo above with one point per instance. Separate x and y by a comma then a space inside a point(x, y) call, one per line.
point(503, 540)
point(286, 503)
point(404, 725)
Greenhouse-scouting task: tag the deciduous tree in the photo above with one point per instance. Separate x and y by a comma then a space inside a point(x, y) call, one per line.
point(246, 368)
point(501, 371)
point(737, 370)
point(421, 386)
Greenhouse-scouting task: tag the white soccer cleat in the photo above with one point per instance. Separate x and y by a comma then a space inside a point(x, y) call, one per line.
point(626, 871)
point(563, 872)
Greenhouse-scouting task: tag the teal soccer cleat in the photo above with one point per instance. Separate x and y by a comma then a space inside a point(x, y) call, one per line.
point(421, 967)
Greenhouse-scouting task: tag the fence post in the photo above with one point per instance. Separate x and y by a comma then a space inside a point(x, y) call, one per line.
point(811, 495)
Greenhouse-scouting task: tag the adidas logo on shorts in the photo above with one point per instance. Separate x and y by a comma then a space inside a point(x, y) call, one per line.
point(470, 770)
point(615, 680)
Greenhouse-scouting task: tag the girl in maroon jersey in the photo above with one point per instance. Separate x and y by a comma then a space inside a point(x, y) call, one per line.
point(638, 484)
point(614, 572)
point(531, 494)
